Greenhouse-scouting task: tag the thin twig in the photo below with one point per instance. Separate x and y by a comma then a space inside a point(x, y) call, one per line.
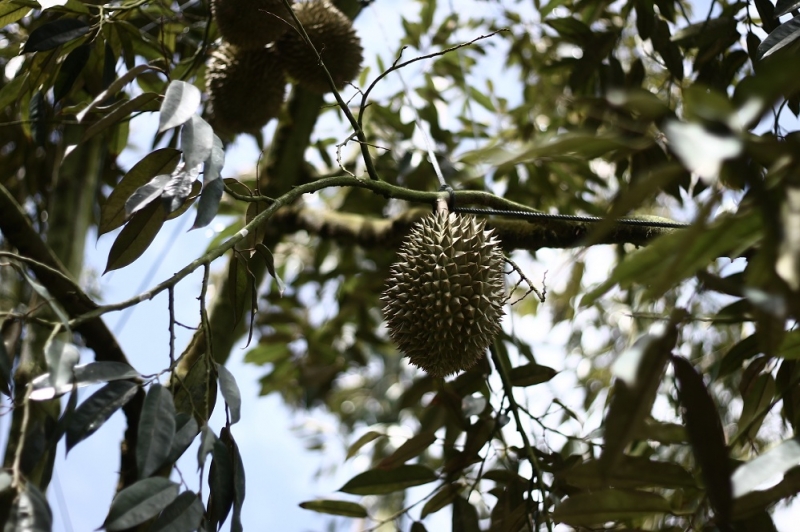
point(171, 305)
point(531, 288)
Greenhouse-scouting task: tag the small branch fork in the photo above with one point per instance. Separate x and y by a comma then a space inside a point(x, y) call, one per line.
point(515, 268)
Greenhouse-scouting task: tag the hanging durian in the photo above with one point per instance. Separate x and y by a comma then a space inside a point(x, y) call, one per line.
point(246, 89)
point(334, 38)
point(251, 24)
point(444, 297)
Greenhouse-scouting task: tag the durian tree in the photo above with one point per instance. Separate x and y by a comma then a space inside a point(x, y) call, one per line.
point(556, 244)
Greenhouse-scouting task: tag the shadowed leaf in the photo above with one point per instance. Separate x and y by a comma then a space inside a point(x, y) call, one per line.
point(327, 506)
point(378, 481)
point(136, 236)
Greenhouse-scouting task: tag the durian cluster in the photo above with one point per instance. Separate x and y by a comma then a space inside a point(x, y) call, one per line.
point(246, 76)
point(445, 294)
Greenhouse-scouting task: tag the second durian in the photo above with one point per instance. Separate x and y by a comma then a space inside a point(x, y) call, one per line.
point(251, 24)
point(444, 297)
point(334, 38)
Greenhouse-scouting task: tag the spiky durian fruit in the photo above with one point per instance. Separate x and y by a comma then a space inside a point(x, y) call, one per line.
point(445, 295)
point(334, 38)
point(245, 88)
point(251, 24)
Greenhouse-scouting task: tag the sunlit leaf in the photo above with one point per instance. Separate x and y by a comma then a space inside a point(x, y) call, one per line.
point(230, 391)
point(29, 512)
point(180, 103)
point(782, 36)
point(197, 141)
point(377, 481)
point(776, 461)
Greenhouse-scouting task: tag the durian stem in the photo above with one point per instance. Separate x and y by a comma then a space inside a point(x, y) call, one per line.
point(502, 370)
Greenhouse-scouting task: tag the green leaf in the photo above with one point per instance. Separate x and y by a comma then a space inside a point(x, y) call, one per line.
point(70, 70)
point(161, 161)
point(757, 398)
point(782, 7)
point(702, 151)
point(361, 442)
point(328, 506)
point(629, 472)
point(180, 103)
point(377, 481)
point(185, 434)
point(754, 502)
point(220, 484)
point(266, 254)
point(706, 436)
point(531, 374)
point(184, 514)
point(208, 205)
point(156, 430)
point(599, 507)
point(10, 13)
point(230, 392)
point(140, 102)
point(412, 447)
point(12, 91)
point(639, 371)
point(51, 34)
point(112, 89)
point(238, 481)
point(465, 516)
point(776, 461)
point(140, 502)
point(96, 410)
point(29, 512)
point(197, 141)
point(446, 495)
point(782, 36)
point(238, 285)
point(136, 236)
point(103, 371)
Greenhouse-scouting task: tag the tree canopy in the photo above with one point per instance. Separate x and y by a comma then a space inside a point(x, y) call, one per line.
point(636, 160)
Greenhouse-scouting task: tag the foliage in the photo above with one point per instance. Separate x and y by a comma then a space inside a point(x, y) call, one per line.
point(674, 387)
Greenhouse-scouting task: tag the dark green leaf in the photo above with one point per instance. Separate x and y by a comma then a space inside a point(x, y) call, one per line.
point(123, 111)
point(361, 442)
point(598, 507)
point(446, 495)
point(156, 430)
point(412, 447)
point(160, 162)
point(182, 515)
point(30, 512)
point(327, 506)
point(104, 371)
point(140, 502)
point(230, 392)
point(377, 481)
point(95, 410)
point(112, 89)
point(783, 7)
point(180, 103)
point(238, 482)
point(705, 435)
point(266, 254)
point(220, 484)
point(49, 35)
point(465, 516)
point(782, 36)
point(185, 434)
point(630, 472)
point(531, 374)
point(136, 236)
point(70, 71)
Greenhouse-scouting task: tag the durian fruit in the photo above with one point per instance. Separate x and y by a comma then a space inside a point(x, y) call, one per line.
point(246, 89)
point(334, 38)
point(444, 297)
point(251, 24)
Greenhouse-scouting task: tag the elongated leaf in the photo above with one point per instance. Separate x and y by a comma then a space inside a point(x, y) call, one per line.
point(156, 430)
point(85, 375)
point(412, 447)
point(61, 358)
point(13, 90)
point(269, 259)
point(208, 205)
point(531, 374)
point(178, 187)
point(182, 515)
point(220, 484)
point(207, 441)
point(70, 71)
point(51, 34)
point(197, 141)
point(706, 436)
point(113, 88)
point(446, 495)
point(230, 392)
point(185, 434)
point(95, 410)
point(783, 7)
point(639, 371)
point(465, 516)
point(782, 36)
point(180, 103)
point(754, 502)
point(140, 502)
point(361, 442)
point(160, 162)
point(599, 507)
point(147, 193)
point(332, 507)
point(6, 365)
point(136, 237)
point(140, 102)
point(30, 512)
point(701, 151)
point(776, 461)
point(238, 481)
point(11, 13)
point(630, 472)
point(376, 481)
